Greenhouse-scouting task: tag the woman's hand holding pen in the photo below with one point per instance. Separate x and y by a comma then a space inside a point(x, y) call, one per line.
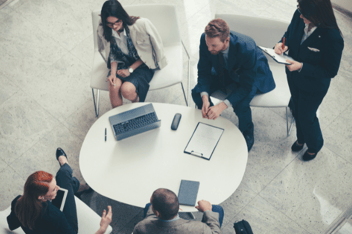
point(278, 48)
point(112, 78)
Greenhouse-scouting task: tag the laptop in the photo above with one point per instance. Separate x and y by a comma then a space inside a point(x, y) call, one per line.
point(135, 121)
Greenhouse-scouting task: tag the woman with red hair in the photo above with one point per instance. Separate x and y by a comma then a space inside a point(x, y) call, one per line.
point(34, 211)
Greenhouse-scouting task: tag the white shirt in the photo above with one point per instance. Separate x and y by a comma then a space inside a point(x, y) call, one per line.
point(306, 33)
point(121, 40)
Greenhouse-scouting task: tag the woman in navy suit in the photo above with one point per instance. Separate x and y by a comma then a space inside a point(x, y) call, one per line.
point(315, 42)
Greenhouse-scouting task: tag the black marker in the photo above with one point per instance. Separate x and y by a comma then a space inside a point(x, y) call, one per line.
point(105, 134)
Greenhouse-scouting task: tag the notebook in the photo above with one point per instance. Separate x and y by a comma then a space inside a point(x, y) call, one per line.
point(187, 194)
point(278, 58)
point(60, 199)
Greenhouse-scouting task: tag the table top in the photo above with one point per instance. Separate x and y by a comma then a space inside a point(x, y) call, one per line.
point(130, 170)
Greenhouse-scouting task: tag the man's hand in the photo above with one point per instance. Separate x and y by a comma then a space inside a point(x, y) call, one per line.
point(105, 220)
point(205, 107)
point(204, 206)
point(123, 73)
point(294, 65)
point(278, 48)
point(215, 111)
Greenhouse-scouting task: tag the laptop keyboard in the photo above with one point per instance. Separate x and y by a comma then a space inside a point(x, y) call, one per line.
point(135, 123)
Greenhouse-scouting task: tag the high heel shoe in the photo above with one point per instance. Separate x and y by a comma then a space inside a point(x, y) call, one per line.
point(295, 147)
point(60, 152)
point(307, 157)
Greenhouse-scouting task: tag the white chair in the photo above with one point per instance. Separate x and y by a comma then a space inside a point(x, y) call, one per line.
point(267, 33)
point(88, 220)
point(165, 20)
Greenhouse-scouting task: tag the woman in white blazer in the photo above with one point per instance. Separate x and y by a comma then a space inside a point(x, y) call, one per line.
point(132, 49)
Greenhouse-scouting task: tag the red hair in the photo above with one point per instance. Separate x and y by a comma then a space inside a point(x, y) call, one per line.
point(28, 207)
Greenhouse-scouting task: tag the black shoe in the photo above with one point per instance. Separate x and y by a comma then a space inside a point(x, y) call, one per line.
point(60, 152)
point(249, 140)
point(308, 157)
point(295, 147)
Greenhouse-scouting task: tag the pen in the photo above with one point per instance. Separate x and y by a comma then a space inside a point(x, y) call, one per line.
point(283, 43)
point(105, 134)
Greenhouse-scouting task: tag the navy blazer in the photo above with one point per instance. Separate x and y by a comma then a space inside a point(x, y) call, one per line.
point(51, 220)
point(245, 59)
point(320, 54)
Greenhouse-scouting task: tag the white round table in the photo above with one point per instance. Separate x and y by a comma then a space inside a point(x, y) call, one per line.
point(130, 170)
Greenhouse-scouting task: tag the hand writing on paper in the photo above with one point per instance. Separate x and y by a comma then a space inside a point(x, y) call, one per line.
point(278, 48)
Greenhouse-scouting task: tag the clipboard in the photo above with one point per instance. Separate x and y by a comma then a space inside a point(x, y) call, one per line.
point(278, 58)
point(204, 140)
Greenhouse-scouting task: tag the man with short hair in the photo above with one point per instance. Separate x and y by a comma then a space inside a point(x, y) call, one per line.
point(230, 62)
point(161, 216)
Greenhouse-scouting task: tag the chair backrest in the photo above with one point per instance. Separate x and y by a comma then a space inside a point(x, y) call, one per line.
point(163, 17)
point(95, 21)
point(4, 229)
point(265, 32)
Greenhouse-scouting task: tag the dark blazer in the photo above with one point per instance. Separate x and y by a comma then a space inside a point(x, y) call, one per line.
point(51, 221)
point(245, 59)
point(320, 54)
point(151, 224)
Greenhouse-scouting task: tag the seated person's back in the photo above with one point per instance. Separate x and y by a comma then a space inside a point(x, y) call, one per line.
point(162, 216)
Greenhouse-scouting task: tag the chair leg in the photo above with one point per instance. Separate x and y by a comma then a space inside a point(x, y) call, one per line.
point(289, 128)
point(189, 73)
point(184, 95)
point(96, 103)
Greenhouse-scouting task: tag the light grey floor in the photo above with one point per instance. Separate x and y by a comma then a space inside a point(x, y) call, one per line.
point(46, 50)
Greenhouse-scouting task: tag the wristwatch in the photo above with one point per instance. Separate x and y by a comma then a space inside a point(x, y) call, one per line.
point(130, 70)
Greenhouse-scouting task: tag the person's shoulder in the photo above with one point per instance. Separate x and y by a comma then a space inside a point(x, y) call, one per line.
point(333, 34)
point(242, 41)
point(146, 224)
point(14, 201)
point(142, 22)
point(202, 38)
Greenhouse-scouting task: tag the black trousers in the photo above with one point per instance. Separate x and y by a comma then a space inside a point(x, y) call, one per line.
point(64, 179)
point(305, 105)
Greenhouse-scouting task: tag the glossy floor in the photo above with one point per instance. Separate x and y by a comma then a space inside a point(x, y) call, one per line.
point(46, 50)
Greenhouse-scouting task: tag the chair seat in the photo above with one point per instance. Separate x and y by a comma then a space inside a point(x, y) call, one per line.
point(168, 76)
point(88, 220)
point(280, 96)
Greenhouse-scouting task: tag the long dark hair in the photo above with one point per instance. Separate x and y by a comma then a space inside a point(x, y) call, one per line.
point(115, 9)
point(319, 12)
point(28, 207)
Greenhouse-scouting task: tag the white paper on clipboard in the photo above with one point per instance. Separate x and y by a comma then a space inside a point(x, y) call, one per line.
point(204, 140)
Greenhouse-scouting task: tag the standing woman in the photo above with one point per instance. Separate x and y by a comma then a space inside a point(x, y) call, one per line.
point(315, 41)
point(132, 49)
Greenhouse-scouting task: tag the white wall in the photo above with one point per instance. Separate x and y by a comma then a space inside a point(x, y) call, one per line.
point(345, 4)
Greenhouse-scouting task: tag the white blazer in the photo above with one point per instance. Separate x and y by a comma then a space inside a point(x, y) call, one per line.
point(146, 40)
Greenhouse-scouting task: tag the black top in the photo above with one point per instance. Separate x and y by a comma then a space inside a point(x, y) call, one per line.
point(320, 54)
point(52, 220)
